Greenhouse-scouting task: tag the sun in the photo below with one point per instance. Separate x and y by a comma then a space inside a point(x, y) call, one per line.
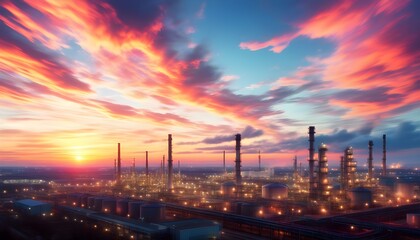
point(79, 158)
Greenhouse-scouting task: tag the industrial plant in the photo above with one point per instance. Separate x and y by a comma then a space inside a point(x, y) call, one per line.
point(312, 202)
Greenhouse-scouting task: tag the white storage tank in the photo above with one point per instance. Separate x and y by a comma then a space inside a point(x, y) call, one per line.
point(360, 197)
point(153, 212)
point(228, 189)
point(134, 209)
point(109, 205)
point(275, 191)
point(413, 219)
point(122, 207)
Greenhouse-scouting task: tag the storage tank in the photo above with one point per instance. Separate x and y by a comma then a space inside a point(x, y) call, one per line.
point(109, 205)
point(275, 191)
point(360, 197)
point(413, 219)
point(405, 188)
point(250, 209)
point(228, 189)
point(153, 212)
point(97, 206)
point(122, 207)
point(91, 202)
point(134, 209)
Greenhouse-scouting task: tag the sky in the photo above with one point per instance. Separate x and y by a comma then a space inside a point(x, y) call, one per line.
point(77, 77)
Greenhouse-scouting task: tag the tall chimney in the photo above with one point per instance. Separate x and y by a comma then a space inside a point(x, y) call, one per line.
point(238, 160)
point(384, 155)
point(224, 161)
point(370, 161)
point(179, 168)
point(170, 167)
point(259, 160)
point(163, 164)
point(312, 180)
point(119, 163)
point(147, 163)
point(295, 168)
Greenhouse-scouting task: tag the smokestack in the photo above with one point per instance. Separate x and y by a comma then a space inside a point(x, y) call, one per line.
point(370, 161)
point(342, 177)
point(170, 167)
point(259, 160)
point(119, 163)
point(238, 160)
point(295, 168)
point(147, 163)
point(224, 161)
point(179, 168)
point(312, 182)
point(384, 155)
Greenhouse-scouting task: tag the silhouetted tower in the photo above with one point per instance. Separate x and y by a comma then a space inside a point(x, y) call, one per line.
point(295, 169)
point(300, 169)
point(147, 163)
point(224, 161)
point(370, 161)
point(170, 167)
point(119, 163)
point(312, 180)
point(259, 160)
point(323, 191)
point(349, 169)
point(179, 168)
point(384, 155)
point(238, 160)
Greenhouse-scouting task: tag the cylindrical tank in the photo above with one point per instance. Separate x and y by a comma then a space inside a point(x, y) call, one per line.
point(228, 189)
point(122, 207)
point(152, 212)
point(109, 205)
point(91, 202)
point(97, 206)
point(405, 188)
point(134, 209)
point(413, 219)
point(249, 209)
point(275, 191)
point(360, 197)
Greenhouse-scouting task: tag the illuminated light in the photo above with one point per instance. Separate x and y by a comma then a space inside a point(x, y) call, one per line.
point(43, 214)
point(51, 214)
point(279, 212)
point(351, 227)
point(299, 211)
point(131, 236)
point(341, 207)
point(95, 226)
point(323, 210)
point(261, 212)
point(106, 209)
point(225, 209)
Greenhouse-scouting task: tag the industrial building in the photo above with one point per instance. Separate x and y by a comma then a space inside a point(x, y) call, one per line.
point(33, 207)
